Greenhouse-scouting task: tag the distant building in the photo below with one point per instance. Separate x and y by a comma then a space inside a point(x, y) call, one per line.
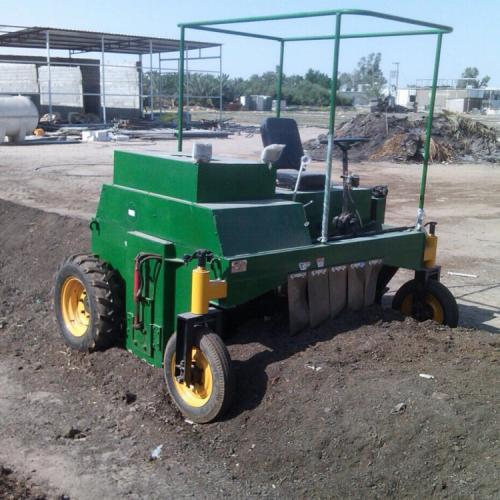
point(449, 95)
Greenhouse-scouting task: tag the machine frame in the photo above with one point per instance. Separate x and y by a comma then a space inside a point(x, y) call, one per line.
point(433, 29)
point(178, 245)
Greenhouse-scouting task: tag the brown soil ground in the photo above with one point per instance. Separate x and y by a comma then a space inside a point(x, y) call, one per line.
point(12, 488)
point(314, 415)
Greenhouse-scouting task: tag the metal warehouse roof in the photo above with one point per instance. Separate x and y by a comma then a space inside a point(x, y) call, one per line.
point(78, 41)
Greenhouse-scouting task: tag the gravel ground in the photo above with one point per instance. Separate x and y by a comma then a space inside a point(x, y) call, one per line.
point(338, 412)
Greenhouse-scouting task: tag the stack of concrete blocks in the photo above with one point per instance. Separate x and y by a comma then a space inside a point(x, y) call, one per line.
point(282, 105)
point(18, 79)
point(104, 135)
point(246, 102)
point(65, 86)
point(121, 86)
point(260, 103)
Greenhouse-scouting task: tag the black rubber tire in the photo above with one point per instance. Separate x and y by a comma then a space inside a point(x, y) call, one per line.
point(438, 291)
point(223, 379)
point(104, 301)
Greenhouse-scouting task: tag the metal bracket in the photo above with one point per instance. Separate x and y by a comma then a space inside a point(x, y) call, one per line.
point(433, 273)
point(420, 309)
point(186, 326)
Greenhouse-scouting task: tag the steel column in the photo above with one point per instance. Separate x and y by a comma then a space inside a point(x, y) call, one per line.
point(47, 43)
point(160, 90)
point(103, 81)
point(280, 80)
point(141, 97)
point(429, 122)
point(331, 126)
point(187, 84)
point(220, 84)
point(151, 78)
point(180, 91)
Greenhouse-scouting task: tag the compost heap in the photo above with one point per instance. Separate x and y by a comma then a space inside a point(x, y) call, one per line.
point(394, 138)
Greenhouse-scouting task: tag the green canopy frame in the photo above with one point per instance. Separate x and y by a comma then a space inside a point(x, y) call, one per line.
point(430, 29)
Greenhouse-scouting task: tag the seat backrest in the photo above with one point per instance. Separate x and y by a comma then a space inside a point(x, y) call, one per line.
point(283, 131)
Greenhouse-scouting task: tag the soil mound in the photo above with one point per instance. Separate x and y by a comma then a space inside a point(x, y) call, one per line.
point(397, 138)
point(338, 412)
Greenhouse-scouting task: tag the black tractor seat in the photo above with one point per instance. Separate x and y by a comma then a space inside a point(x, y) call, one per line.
point(309, 181)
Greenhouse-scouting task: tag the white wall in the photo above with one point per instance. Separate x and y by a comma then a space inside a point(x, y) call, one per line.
point(18, 79)
point(123, 80)
point(64, 79)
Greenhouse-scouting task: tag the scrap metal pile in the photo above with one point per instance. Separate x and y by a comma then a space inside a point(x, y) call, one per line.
point(400, 139)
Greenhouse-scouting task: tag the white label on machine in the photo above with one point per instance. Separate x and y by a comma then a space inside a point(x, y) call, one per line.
point(297, 275)
point(358, 265)
point(131, 212)
point(238, 266)
point(304, 265)
point(318, 272)
point(338, 269)
point(320, 262)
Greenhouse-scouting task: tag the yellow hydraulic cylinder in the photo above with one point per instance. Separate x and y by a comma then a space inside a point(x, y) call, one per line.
point(204, 290)
point(430, 251)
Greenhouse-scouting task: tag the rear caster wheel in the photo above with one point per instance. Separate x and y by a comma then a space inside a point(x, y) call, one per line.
point(87, 302)
point(440, 304)
point(212, 391)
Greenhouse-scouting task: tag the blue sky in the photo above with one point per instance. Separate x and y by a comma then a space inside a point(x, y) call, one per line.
point(474, 41)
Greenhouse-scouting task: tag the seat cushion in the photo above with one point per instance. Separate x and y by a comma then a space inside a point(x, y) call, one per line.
point(283, 131)
point(309, 181)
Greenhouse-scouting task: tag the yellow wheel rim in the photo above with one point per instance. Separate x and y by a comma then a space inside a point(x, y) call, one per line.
point(199, 393)
point(430, 300)
point(74, 306)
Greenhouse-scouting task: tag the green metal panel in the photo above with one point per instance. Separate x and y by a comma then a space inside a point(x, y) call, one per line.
point(260, 227)
point(227, 179)
point(177, 176)
point(377, 213)
point(157, 306)
point(174, 220)
point(268, 270)
point(314, 210)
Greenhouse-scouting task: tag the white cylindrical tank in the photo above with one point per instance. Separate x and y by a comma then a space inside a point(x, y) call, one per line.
point(18, 118)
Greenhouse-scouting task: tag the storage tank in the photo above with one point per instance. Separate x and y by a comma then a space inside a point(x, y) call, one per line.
point(18, 118)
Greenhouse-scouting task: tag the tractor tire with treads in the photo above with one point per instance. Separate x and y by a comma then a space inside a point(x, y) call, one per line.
point(212, 393)
point(87, 302)
point(440, 302)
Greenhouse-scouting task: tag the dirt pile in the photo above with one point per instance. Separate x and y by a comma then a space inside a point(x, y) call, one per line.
point(12, 488)
point(338, 412)
point(401, 139)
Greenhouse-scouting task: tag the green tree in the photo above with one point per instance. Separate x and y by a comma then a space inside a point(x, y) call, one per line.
point(472, 74)
point(318, 78)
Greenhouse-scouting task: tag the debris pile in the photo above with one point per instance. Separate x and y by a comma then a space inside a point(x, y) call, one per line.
point(394, 138)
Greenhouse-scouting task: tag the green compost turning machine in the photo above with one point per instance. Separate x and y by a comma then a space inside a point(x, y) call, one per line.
point(178, 244)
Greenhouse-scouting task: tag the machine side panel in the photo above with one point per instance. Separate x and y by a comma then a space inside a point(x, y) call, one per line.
point(166, 218)
point(156, 309)
point(222, 182)
point(266, 271)
point(314, 210)
point(247, 228)
point(177, 176)
point(156, 174)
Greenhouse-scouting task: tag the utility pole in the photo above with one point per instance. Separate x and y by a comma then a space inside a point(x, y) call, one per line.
point(397, 74)
point(397, 77)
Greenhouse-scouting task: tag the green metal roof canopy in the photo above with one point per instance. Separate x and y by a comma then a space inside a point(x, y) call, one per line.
point(430, 29)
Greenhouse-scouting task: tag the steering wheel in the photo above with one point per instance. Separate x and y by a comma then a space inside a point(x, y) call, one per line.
point(345, 142)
